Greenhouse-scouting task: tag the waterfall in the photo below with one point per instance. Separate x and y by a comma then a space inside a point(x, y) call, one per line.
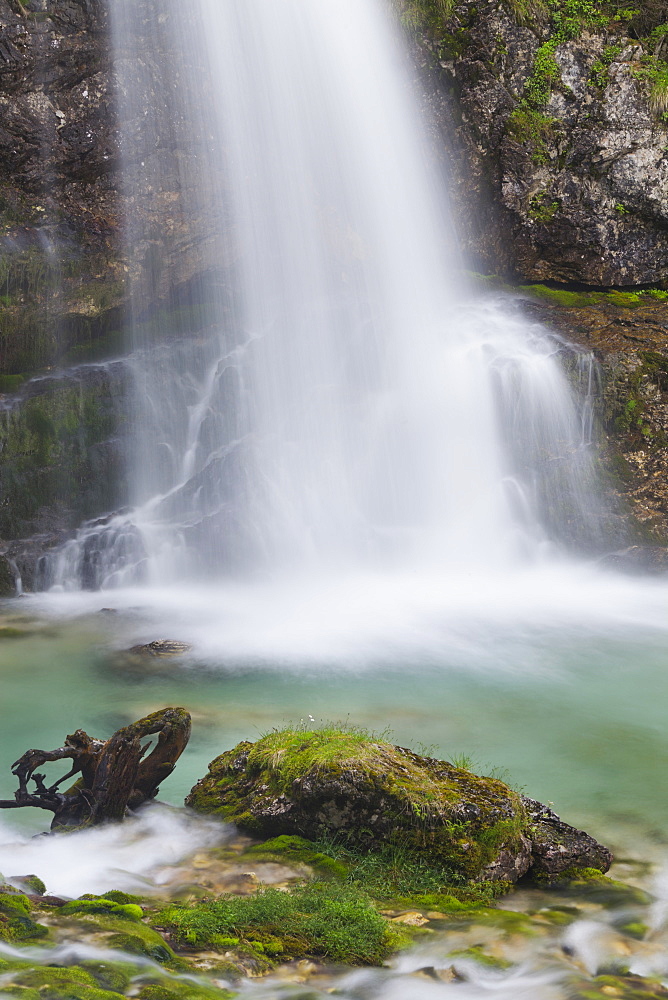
point(329, 391)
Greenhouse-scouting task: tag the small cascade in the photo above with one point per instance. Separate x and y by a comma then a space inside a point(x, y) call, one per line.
point(335, 396)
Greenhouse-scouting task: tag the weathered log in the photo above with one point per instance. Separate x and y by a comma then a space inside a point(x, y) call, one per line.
point(114, 779)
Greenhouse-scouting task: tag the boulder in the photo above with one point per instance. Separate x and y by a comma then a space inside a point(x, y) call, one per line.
point(369, 793)
point(557, 847)
point(160, 648)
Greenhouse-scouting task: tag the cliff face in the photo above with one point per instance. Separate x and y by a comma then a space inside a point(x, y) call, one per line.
point(60, 273)
point(561, 125)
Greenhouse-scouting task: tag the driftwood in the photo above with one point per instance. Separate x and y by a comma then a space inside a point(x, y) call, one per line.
point(115, 777)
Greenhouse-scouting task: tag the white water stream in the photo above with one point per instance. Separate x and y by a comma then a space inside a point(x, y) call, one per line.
point(351, 402)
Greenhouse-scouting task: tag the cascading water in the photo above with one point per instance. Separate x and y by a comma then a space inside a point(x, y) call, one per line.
point(344, 402)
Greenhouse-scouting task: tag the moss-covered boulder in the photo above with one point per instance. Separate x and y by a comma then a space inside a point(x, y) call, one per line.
point(16, 923)
point(369, 793)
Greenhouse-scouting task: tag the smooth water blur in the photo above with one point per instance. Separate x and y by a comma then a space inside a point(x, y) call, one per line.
point(554, 681)
point(557, 677)
point(347, 402)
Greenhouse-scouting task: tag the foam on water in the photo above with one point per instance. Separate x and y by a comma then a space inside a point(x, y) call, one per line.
point(138, 854)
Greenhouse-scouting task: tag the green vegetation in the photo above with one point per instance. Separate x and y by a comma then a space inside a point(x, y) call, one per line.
point(297, 850)
point(62, 984)
point(288, 754)
point(174, 989)
point(628, 415)
point(320, 919)
point(599, 71)
point(127, 911)
point(541, 209)
point(16, 923)
point(417, 15)
point(532, 128)
point(49, 455)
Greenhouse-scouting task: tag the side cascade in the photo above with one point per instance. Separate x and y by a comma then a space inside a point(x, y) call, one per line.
point(330, 393)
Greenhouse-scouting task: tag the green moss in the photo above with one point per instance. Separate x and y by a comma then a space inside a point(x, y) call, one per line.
point(479, 955)
point(625, 987)
point(72, 983)
point(10, 901)
point(15, 922)
point(50, 452)
point(32, 882)
point(115, 977)
point(560, 916)
point(561, 296)
point(11, 383)
point(597, 887)
point(126, 911)
point(533, 129)
point(172, 989)
point(120, 897)
point(125, 935)
point(635, 929)
point(291, 849)
point(542, 209)
point(321, 919)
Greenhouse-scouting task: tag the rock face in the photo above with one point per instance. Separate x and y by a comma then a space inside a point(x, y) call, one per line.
point(560, 133)
point(61, 441)
point(62, 279)
point(371, 793)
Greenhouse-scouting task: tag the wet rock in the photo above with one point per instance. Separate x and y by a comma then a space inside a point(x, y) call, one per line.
point(638, 560)
point(7, 578)
point(560, 179)
point(161, 648)
point(557, 847)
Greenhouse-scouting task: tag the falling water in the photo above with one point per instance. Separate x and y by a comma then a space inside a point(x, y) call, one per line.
point(343, 398)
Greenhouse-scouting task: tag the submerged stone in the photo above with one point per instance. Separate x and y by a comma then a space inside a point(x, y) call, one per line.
point(161, 647)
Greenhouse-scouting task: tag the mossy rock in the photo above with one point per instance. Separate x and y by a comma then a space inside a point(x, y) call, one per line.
point(291, 850)
point(595, 887)
point(15, 921)
point(126, 911)
point(478, 954)
point(368, 793)
point(7, 582)
point(173, 989)
point(622, 987)
point(30, 883)
point(114, 977)
point(129, 936)
point(561, 852)
point(70, 983)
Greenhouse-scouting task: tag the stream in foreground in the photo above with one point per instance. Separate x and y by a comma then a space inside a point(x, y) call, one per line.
point(560, 686)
